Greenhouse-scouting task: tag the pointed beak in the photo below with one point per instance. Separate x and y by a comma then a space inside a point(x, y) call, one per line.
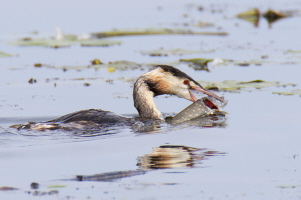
point(192, 97)
point(200, 89)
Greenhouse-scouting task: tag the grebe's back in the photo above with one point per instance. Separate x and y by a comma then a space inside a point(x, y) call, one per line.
point(80, 120)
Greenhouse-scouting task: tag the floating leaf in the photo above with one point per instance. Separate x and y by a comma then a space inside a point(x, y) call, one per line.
point(111, 66)
point(292, 92)
point(69, 67)
point(65, 42)
point(43, 42)
point(273, 16)
point(251, 15)
point(289, 186)
point(293, 51)
point(123, 65)
point(236, 86)
point(57, 186)
point(96, 62)
point(255, 81)
point(3, 54)
point(37, 65)
point(111, 69)
point(198, 63)
point(201, 24)
point(168, 52)
point(103, 43)
point(244, 64)
point(150, 31)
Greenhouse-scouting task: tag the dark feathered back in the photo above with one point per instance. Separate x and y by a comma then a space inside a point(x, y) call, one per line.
point(176, 72)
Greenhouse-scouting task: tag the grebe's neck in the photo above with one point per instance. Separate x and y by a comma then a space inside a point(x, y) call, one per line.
point(144, 100)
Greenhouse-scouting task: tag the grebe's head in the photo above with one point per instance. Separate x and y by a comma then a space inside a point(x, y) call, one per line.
point(166, 79)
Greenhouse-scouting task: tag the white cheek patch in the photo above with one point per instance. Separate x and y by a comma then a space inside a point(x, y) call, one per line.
point(176, 84)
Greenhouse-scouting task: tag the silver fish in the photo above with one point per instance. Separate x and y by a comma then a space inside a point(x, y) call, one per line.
point(202, 107)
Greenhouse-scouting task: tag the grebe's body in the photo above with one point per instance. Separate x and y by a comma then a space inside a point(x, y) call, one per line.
point(162, 79)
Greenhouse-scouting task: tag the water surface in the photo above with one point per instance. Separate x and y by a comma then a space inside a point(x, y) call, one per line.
point(260, 145)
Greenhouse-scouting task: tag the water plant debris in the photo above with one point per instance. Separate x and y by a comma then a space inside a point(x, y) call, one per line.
point(3, 54)
point(253, 16)
point(152, 31)
point(173, 52)
point(236, 86)
point(120, 65)
point(292, 92)
point(44, 42)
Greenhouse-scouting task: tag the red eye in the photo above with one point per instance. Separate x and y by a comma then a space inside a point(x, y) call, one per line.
point(186, 82)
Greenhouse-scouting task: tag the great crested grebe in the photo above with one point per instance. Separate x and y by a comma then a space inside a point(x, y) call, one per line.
point(163, 79)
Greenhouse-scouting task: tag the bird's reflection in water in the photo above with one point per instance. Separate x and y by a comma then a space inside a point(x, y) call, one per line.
point(174, 156)
point(163, 157)
point(110, 176)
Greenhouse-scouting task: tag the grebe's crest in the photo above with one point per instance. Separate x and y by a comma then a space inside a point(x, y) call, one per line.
point(176, 73)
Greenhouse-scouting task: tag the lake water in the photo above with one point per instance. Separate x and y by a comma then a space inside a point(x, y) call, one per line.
point(256, 156)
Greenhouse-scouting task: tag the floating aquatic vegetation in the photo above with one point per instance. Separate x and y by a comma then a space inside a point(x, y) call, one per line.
point(101, 43)
point(43, 193)
point(201, 24)
point(63, 43)
point(42, 42)
point(289, 186)
point(202, 63)
point(64, 40)
point(236, 86)
point(272, 16)
point(7, 188)
point(68, 67)
point(292, 92)
point(252, 13)
point(248, 63)
point(253, 16)
point(293, 51)
point(57, 186)
point(37, 65)
point(96, 62)
point(3, 54)
point(197, 61)
point(152, 31)
point(174, 52)
point(121, 65)
point(32, 81)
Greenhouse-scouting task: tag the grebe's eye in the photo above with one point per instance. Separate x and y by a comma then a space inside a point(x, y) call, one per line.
point(186, 82)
